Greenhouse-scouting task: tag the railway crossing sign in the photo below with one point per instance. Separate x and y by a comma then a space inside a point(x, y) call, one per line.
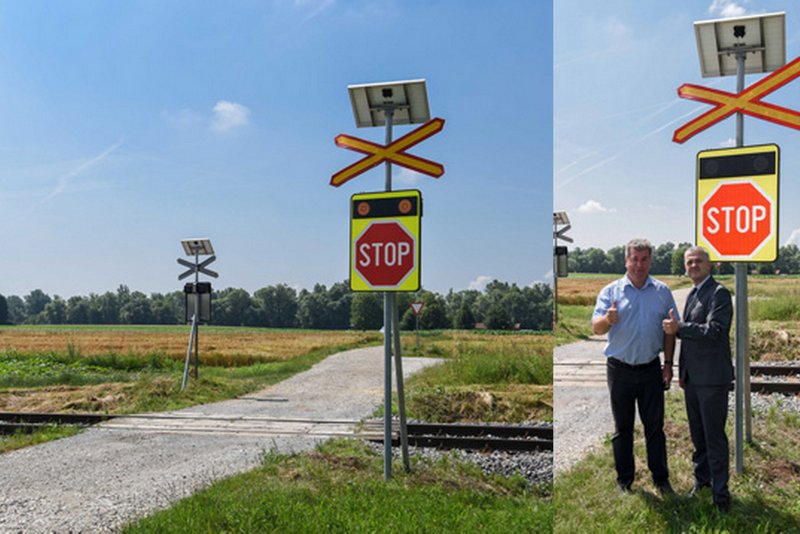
point(394, 152)
point(385, 241)
point(748, 102)
point(198, 268)
point(737, 203)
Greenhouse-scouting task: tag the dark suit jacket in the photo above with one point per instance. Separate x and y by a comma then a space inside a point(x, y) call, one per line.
point(705, 358)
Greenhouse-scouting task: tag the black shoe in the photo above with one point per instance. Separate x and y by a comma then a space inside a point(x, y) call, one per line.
point(723, 506)
point(624, 488)
point(665, 489)
point(696, 489)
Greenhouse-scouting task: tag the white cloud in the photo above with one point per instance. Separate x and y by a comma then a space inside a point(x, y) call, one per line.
point(182, 118)
point(315, 6)
point(794, 238)
point(592, 206)
point(728, 143)
point(64, 179)
point(727, 8)
point(229, 115)
point(617, 30)
point(481, 282)
point(406, 176)
point(547, 278)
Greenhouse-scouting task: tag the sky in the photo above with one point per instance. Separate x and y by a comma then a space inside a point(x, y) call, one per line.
point(617, 66)
point(128, 126)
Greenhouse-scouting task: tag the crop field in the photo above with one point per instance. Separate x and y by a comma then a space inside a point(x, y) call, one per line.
point(220, 346)
point(122, 369)
point(774, 306)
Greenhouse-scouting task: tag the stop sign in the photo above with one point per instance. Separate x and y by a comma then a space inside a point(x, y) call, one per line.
point(385, 254)
point(737, 219)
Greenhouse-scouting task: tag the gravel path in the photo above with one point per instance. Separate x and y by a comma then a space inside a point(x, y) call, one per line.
point(106, 477)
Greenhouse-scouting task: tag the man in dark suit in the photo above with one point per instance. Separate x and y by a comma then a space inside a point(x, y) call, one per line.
point(705, 373)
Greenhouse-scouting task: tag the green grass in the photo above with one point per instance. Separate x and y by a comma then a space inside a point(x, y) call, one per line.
point(766, 498)
point(485, 377)
point(20, 440)
point(340, 488)
point(574, 323)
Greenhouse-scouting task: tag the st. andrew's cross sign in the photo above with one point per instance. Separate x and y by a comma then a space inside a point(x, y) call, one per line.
point(748, 102)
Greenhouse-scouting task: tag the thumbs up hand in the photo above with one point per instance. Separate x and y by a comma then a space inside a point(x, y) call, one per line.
point(670, 325)
point(611, 315)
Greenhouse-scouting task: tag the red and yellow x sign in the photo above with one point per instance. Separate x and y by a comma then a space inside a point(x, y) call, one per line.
point(394, 152)
point(748, 102)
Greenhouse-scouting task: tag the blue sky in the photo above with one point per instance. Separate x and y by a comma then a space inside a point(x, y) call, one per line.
point(617, 67)
point(127, 126)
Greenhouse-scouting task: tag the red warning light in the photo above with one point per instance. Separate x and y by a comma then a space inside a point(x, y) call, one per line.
point(404, 206)
point(363, 208)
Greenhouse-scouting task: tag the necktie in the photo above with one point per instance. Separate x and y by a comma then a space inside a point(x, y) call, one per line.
point(690, 301)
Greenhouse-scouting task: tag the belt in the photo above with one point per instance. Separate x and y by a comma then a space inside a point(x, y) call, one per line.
point(632, 366)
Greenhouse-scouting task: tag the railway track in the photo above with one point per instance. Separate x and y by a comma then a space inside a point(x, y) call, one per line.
point(479, 436)
point(784, 377)
point(444, 436)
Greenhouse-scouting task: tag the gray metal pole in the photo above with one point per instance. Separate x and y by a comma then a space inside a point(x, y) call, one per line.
point(416, 319)
point(555, 272)
point(387, 336)
point(186, 366)
point(741, 334)
point(196, 314)
point(401, 397)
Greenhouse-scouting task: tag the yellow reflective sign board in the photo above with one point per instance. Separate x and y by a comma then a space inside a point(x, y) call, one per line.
point(385, 241)
point(737, 203)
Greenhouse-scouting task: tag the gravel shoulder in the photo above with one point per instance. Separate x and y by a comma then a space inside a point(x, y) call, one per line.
point(106, 477)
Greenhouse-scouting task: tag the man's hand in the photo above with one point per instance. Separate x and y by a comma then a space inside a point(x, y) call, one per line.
point(666, 374)
point(611, 315)
point(670, 325)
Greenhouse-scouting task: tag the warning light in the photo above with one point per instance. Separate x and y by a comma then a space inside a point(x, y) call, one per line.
point(404, 206)
point(363, 208)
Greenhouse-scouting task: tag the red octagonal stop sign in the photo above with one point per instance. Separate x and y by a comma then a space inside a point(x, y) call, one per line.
point(736, 219)
point(385, 254)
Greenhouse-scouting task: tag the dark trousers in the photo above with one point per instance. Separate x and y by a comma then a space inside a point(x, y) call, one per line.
point(707, 409)
point(629, 386)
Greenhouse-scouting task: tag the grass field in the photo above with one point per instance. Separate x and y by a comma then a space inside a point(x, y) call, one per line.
point(766, 497)
point(339, 488)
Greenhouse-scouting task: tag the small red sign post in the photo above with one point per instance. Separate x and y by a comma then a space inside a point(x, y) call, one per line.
point(385, 254)
point(736, 219)
point(416, 307)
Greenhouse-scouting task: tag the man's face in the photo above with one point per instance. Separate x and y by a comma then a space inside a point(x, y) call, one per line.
point(637, 265)
point(697, 265)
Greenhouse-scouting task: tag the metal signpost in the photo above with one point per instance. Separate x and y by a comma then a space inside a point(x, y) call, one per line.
point(416, 307)
point(198, 296)
point(560, 218)
point(724, 46)
point(385, 254)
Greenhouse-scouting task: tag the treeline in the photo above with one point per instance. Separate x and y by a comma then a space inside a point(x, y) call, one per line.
point(668, 259)
point(499, 306)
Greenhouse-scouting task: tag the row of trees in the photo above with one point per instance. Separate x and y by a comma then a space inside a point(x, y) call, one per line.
point(668, 259)
point(499, 306)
